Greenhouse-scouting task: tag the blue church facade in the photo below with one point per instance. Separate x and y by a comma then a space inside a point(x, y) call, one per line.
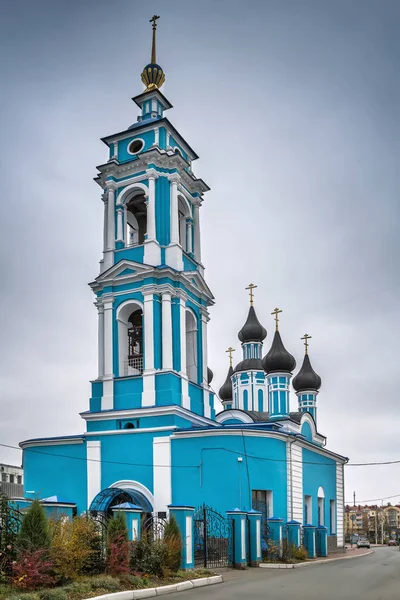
point(152, 429)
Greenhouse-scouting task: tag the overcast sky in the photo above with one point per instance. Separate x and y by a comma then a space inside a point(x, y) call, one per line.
point(293, 107)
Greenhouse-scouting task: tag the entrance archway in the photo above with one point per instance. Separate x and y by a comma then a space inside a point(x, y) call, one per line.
point(112, 496)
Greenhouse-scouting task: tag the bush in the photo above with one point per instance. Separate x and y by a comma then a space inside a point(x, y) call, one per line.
point(56, 594)
point(116, 527)
point(300, 553)
point(76, 588)
point(33, 570)
point(117, 555)
point(134, 582)
point(104, 582)
point(173, 541)
point(76, 546)
point(34, 533)
point(149, 556)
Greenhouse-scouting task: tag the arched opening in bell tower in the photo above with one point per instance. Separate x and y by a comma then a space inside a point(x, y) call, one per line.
point(191, 347)
point(136, 219)
point(130, 338)
point(184, 213)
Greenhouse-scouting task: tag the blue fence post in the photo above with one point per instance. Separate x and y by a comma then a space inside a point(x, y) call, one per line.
point(133, 515)
point(254, 523)
point(321, 534)
point(293, 534)
point(239, 537)
point(309, 540)
point(184, 518)
point(275, 533)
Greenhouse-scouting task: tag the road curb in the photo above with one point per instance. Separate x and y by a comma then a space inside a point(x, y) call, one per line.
point(311, 563)
point(162, 590)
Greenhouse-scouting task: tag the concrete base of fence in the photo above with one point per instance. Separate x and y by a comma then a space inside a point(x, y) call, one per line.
point(161, 591)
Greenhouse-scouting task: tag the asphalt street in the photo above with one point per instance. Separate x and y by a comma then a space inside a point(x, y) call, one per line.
point(372, 577)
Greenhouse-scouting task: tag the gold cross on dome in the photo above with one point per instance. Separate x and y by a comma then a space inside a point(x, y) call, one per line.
point(251, 287)
point(230, 351)
point(276, 312)
point(153, 20)
point(306, 338)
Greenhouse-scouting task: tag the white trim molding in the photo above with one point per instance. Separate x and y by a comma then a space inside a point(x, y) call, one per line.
point(153, 411)
point(162, 483)
point(130, 484)
point(93, 468)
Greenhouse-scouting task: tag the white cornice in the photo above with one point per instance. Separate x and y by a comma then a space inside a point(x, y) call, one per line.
point(149, 412)
point(51, 442)
point(130, 431)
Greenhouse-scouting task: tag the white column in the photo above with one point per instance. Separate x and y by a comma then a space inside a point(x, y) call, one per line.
point(111, 218)
point(166, 331)
point(162, 473)
point(156, 136)
point(115, 155)
point(120, 235)
point(196, 232)
point(151, 209)
point(204, 321)
point(100, 309)
point(148, 332)
point(107, 401)
point(182, 316)
point(105, 200)
point(174, 231)
point(189, 237)
point(93, 469)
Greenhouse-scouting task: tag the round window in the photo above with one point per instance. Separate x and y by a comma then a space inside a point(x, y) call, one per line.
point(136, 146)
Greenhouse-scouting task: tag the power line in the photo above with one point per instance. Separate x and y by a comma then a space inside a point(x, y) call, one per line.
point(374, 499)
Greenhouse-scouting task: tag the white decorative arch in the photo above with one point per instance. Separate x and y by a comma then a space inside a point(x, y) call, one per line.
point(124, 311)
point(321, 493)
point(127, 192)
point(321, 506)
point(130, 484)
point(238, 415)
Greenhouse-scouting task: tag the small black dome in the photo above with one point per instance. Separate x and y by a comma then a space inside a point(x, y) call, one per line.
point(210, 375)
point(252, 330)
point(225, 392)
point(306, 379)
point(249, 364)
point(278, 358)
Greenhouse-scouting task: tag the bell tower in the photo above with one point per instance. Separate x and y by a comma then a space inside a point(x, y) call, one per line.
point(151, 296)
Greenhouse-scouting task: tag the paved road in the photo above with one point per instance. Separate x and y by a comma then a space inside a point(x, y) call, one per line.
point(372, 577)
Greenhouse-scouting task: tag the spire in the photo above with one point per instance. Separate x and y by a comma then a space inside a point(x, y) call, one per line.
point(306, 380)
point(278, 358)
point(153, 76)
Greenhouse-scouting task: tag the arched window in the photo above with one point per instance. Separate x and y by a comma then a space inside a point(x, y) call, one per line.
point(245, 400)
point(130, 338)
point(260, 401)
point(129, 426)
point(321, 506)
point(184, 214)
point(136, 219)
point(135, 341)
point(191, 347)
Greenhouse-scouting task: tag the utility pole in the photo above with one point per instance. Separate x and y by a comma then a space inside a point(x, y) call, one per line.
point(376, 525)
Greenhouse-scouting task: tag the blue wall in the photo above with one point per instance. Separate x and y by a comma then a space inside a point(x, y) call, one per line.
point(319, 471)
point(222, 481)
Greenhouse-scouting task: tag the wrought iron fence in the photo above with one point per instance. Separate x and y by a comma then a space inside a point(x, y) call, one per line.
point(213, 538)
point(154, 527)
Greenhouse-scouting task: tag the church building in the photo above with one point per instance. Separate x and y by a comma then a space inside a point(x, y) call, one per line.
point(152, 434)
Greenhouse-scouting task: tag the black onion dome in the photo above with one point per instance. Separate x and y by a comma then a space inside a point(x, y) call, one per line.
point(306, 379)
point(249, 364)
point(225, 392)
point(278, 358)
point(210, 375)
point(252, 330)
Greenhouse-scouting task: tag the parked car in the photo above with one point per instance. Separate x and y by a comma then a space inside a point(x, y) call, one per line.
point(363, 543)
point(392, 543)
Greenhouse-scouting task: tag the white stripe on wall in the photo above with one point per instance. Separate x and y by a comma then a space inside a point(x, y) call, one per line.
point(294, 482)
point(243, 534)
point(339, 505)
point(189, 540)
point(93, 466)
point(162, 473)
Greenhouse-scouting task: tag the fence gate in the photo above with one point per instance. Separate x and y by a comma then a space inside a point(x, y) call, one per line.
point(262, 507)
point(213, 539)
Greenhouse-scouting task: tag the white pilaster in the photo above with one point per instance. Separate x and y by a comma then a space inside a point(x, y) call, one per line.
point(196, 232)
point(93, 469)
point(105, 226)
point(182, 321)
point(166, 331)
point(107, 401)
point(206, 394)
point(149, 394)
point(162, 473)
point(156, 136)
point(115, 155)
point(120, 233)
point(108, 254)
point(174, 231)
point(294, 457)
point(151, 209)
point(339, 505)
point(100, 309)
